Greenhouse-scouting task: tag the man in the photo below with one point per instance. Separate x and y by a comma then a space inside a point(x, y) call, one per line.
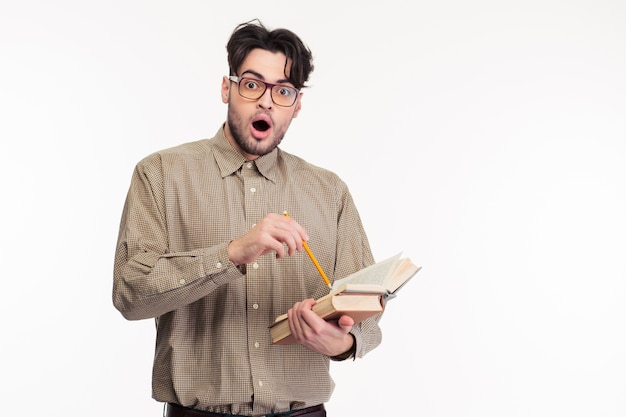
point(205, 249)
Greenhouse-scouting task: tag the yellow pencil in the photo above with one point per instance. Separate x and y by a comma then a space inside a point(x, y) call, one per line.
point(317, 265)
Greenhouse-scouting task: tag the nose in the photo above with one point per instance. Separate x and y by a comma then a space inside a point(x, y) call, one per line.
point(265, 101)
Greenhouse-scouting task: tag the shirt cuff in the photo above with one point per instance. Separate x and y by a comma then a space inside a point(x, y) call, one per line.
point(350, 353)
point(217, 265)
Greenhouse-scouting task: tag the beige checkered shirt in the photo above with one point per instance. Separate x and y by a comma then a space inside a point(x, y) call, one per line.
point(213, 348)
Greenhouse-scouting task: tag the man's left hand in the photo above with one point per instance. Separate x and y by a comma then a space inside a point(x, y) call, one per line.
point(329, 338)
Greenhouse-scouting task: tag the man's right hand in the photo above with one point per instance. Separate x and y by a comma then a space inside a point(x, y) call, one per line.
point(271, 234)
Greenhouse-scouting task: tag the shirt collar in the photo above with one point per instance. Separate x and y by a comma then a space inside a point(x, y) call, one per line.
point(229, 160)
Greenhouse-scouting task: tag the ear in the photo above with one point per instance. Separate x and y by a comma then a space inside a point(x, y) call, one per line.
point(298, 106)
point(225, 89)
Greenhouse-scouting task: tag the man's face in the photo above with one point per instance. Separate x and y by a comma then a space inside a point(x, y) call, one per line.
point(256, 127)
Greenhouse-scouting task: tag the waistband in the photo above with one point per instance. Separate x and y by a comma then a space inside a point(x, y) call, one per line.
point(175, 410)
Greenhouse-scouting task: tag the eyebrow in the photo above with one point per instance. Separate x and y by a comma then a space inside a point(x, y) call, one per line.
point(262, 78)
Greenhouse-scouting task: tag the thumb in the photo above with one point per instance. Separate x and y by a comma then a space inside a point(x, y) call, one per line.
point(346, 323)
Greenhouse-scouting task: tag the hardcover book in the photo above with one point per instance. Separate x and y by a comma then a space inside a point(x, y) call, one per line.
point(360, 295)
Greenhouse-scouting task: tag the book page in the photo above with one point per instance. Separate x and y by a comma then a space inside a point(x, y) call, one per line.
point(373, 274)
point(402, 275)
point(349, 289)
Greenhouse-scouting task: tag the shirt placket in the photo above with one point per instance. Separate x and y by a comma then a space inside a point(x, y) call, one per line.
point(257, 273)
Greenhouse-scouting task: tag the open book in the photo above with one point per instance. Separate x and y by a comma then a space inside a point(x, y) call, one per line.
point(360, 295)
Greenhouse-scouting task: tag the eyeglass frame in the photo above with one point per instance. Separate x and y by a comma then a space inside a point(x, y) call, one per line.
point(236, 79)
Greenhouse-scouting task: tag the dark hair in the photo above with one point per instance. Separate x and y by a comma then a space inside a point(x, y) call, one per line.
point(252, 35)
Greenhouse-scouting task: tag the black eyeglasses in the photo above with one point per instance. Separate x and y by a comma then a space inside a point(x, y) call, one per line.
point(253, 89)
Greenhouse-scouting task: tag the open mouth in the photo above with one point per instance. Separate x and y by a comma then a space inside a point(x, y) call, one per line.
point(261, 125)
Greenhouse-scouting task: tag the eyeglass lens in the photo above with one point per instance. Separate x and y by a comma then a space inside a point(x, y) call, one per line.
point(282, 95)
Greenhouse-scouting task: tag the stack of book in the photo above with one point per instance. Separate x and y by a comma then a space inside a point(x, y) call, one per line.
point(360, 295)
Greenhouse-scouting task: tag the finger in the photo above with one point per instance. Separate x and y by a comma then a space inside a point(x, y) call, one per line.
point(294, 324)
point(310, 323)
point(291, 244)
point(346, 323)
point(270, 244)
point(299, 233)
point(300, 320)
point(279, 234)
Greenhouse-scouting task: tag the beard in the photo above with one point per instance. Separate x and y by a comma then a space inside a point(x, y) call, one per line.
point(248, 144)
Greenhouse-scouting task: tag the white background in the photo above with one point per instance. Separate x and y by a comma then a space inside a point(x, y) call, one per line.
point(486, 140)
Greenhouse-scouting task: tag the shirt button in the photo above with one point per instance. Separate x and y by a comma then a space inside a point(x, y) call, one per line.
point(249, 164)
point(255, 265)
point(257, 344)
point(255, 306)
point(260, 383)
point(253, 190)
point(218, 265)
point(182, 282)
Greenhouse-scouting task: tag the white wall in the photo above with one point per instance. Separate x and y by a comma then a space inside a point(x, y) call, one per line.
point(484, 139)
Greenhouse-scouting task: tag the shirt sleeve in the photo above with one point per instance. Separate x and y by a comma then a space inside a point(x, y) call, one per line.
point(148, 279)
point(353, 254)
